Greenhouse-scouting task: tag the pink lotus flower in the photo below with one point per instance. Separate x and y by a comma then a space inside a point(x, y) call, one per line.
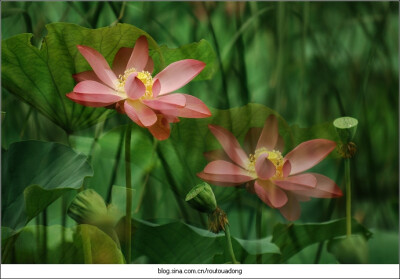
point(278, 181)
point(131, 89)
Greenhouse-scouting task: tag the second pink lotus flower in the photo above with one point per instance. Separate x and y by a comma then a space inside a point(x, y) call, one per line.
point(278, 181)
point(131, 89)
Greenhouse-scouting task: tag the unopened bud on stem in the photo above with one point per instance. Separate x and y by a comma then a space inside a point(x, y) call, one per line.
point(88, 207)
point(202, 198)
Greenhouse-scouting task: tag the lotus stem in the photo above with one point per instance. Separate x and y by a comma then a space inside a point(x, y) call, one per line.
point(115, 167)
point(348, 196)
point(44, 243)
point(229, 244)
point(346, 128)
point(144, 187)
point(259, 229)
point(87, 247)
point(219, 58)
point(128, 234)
point(63, 222)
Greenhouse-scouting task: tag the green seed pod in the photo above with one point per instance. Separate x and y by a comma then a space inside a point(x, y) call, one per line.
point(88, 207)
point(202, 198)
point(349, 250)
point(346, 128)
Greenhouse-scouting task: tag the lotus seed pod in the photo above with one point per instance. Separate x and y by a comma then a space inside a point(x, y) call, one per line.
point(346, 128)
point(202, 198)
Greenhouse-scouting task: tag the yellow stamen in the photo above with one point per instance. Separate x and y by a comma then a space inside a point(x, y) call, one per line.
point(274, 156)
point(144, 76)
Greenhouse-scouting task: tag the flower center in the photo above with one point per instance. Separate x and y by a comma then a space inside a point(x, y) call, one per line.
point(274, 156)
point(144, 76)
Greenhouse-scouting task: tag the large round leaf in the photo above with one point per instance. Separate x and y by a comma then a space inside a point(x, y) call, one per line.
point(34, 174)
point(201, 50)
point(180, 243)
point(292, 238)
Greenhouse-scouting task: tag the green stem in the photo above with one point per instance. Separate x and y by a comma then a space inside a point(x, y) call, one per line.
point(144, 187)
point(21, 134)
point(319, 252)
point(328, 215)
point(44, 243)
point(121, 13)
point(128, 174)
point(8, 251)
point(303, 69)
point(115, 168)
point(348, 196)
point(64, 206)
point(63, 222)
point(259, 229)
point(87, 247)
point(97, 133)
point(219, 58)
point(229, 244)
point(84, 17)
point(38, 234)
point(245, 95)
point(243, 228)
point(172, 183)
point(281, 26)
point(96, 14)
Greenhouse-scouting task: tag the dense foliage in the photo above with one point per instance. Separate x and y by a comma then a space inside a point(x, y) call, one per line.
point(308, 63)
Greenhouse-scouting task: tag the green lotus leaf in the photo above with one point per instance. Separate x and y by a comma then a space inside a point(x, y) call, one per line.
point(34, 174)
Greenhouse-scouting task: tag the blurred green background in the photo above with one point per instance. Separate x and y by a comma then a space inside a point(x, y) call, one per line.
point(311, 62)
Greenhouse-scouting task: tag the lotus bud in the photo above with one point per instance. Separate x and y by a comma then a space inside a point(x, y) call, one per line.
point(88, 207)
point(202, 198)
